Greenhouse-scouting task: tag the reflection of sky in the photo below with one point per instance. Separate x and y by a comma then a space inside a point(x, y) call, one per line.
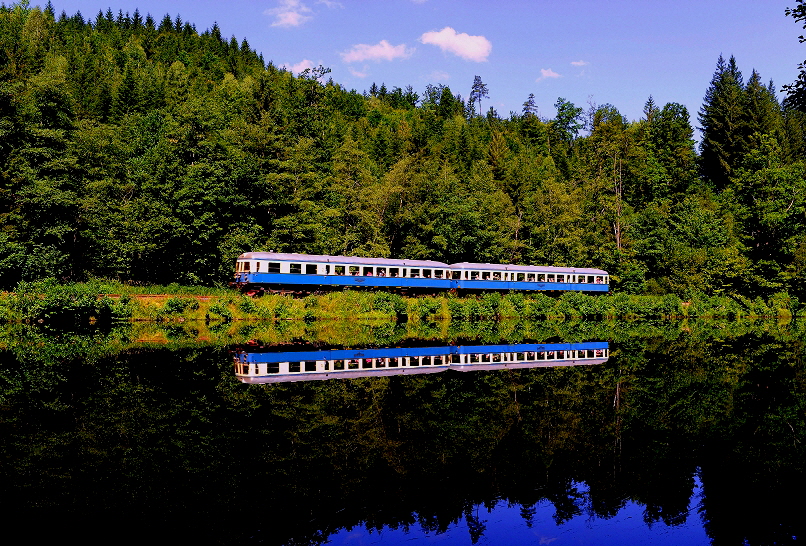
point(504, 524)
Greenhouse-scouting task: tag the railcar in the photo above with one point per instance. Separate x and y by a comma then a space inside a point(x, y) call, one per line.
point(285, 272)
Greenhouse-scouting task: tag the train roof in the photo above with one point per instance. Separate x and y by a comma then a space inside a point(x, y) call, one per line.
point(324, 258)
point(288, 257)
point(530, 268)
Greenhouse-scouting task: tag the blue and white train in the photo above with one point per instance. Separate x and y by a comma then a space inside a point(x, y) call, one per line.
point(277, 272)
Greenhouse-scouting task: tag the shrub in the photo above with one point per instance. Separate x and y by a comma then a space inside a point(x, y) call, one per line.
point(390, 304)
point(179, 305)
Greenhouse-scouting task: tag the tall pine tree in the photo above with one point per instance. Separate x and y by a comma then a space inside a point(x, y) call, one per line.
point(720, 120)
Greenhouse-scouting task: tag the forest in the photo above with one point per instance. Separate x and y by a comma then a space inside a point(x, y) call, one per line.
point(147, 152)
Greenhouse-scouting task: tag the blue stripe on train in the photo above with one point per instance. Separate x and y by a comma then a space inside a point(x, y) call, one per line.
point(397, 352)
point(287, 279)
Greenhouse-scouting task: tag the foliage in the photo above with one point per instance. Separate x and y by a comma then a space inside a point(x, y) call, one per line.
point(151, 153)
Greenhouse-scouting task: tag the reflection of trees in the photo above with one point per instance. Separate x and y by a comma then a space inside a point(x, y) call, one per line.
point(172, 438)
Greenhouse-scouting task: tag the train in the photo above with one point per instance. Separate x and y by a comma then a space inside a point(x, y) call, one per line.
point(258, 272)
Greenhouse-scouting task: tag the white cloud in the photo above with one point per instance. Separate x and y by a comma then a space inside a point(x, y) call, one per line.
point(358, 74)
point(304, 64)
point(580, 63)
point(331, 4)
point(472, 48)
point(438, 76)
point(289, 13)
point(382, 51)
point(547, 73)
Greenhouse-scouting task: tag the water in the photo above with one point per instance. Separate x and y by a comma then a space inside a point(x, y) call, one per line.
point(683, 435)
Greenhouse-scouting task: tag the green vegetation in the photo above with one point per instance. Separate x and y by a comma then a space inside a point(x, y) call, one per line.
point(150, 152)
point(78, 305)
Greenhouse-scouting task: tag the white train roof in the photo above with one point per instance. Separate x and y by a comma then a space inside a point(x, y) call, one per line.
point(291, 257)
point(281, 257)
point(530, 268)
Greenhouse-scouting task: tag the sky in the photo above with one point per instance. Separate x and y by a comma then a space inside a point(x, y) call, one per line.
point(586, 51)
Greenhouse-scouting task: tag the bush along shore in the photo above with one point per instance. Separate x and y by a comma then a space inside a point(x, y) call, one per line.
point(48, 302)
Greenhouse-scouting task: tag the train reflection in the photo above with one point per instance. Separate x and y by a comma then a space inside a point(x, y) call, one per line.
point(271, 365)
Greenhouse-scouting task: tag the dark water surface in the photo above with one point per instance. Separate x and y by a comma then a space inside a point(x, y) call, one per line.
point(679, 437)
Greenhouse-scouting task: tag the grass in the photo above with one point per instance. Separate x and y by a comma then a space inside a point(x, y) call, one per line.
point(106, 301)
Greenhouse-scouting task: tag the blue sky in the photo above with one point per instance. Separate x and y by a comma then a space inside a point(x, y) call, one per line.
point(616, 52)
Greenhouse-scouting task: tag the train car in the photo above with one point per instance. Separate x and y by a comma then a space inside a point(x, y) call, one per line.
point(485, 277)
point(308, 272)
point(258, 271)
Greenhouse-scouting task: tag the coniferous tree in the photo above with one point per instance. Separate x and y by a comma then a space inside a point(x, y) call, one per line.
point(478, 92)
point(721, 118)
point(762, 113)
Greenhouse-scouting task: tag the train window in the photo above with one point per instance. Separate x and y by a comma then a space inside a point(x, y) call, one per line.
point(247, 266)
point(257, 266)
point(367, 271)
point(354, 270)
point(274, 267)
point(327, 270)
point(456, 275)
point(295, 269)
point(339, 269)
point(581, 279)
point(521, 276)
point(426, 273)
point(560, 278)
point(404, 272)
point(393, 362)
point(474, 275)
point(394, 272)
point(485, 275)
point(496, 276)
point(381, 271)
point(273, 367)
point(310, 269)
point(310, 366)
point(437, 273)
point(414, 273)
point(293, 367)
point(352, 364)
point(530, 277)
point(550, 278)
point(598, 280)
point(338, 365)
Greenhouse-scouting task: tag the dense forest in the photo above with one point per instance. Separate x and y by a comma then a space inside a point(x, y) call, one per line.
point(148, 152)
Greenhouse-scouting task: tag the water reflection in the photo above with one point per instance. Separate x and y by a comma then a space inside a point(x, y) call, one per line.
point(257, 363)
point(695, 433)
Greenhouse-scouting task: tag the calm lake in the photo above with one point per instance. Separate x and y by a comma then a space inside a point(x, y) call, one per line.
point(352, 434)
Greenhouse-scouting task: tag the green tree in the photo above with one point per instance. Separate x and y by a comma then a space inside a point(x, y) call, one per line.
point(721, 118)
point(477, 92)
